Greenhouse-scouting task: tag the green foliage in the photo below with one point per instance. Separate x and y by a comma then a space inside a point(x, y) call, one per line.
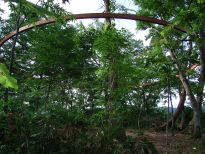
point(33, 12)
point(68, 75)
point(201, 1)
point(5, 79)
point(57, 130)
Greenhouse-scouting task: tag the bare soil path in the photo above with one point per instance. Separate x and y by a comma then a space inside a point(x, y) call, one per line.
point(177, 144)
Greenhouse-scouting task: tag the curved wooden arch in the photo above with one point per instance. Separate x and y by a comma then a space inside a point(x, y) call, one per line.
point(91, 16)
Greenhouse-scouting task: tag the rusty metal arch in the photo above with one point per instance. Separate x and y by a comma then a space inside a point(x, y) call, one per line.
point(91, 16)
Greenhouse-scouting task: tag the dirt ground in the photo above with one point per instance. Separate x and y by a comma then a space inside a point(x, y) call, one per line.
point(177, 144)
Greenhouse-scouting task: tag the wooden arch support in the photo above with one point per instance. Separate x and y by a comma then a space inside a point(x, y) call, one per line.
point(91, 16)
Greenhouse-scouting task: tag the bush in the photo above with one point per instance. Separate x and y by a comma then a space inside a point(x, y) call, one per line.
point(58, 130)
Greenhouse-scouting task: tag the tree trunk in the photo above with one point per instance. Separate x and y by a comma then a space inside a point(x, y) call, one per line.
point(112, 78)
point(181, 124)
point(201, 78)
point(48, 93)
point(180, 108)
point(197, 123)
point(195, 105)
point(107, 10)
point(112, 85)
point(139, 117)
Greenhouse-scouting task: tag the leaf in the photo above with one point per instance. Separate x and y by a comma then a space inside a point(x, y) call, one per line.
point(11, 83)
point(5, 79)
point(3, 69)
point(201, 1)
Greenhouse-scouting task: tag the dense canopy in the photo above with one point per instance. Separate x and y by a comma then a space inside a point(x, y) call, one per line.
point(70, 87)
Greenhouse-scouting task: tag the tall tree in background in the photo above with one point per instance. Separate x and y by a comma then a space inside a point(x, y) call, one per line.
point(188, 14)
point(111, 83)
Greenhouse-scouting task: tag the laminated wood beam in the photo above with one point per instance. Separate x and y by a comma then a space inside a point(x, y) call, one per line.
point(91, 16)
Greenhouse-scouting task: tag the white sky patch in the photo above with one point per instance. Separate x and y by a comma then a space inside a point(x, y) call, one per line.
point(26, 103)
point(84, 6)
point(4, 7)
point(164, 102)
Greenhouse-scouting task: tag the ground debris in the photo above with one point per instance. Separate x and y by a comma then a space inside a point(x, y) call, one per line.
point(177, 144)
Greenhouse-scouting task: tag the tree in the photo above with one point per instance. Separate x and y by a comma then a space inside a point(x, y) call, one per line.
point(186, 16)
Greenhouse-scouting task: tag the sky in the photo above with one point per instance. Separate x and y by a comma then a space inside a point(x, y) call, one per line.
point(93, 6)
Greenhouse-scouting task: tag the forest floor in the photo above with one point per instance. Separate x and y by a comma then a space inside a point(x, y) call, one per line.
point(177, 144)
